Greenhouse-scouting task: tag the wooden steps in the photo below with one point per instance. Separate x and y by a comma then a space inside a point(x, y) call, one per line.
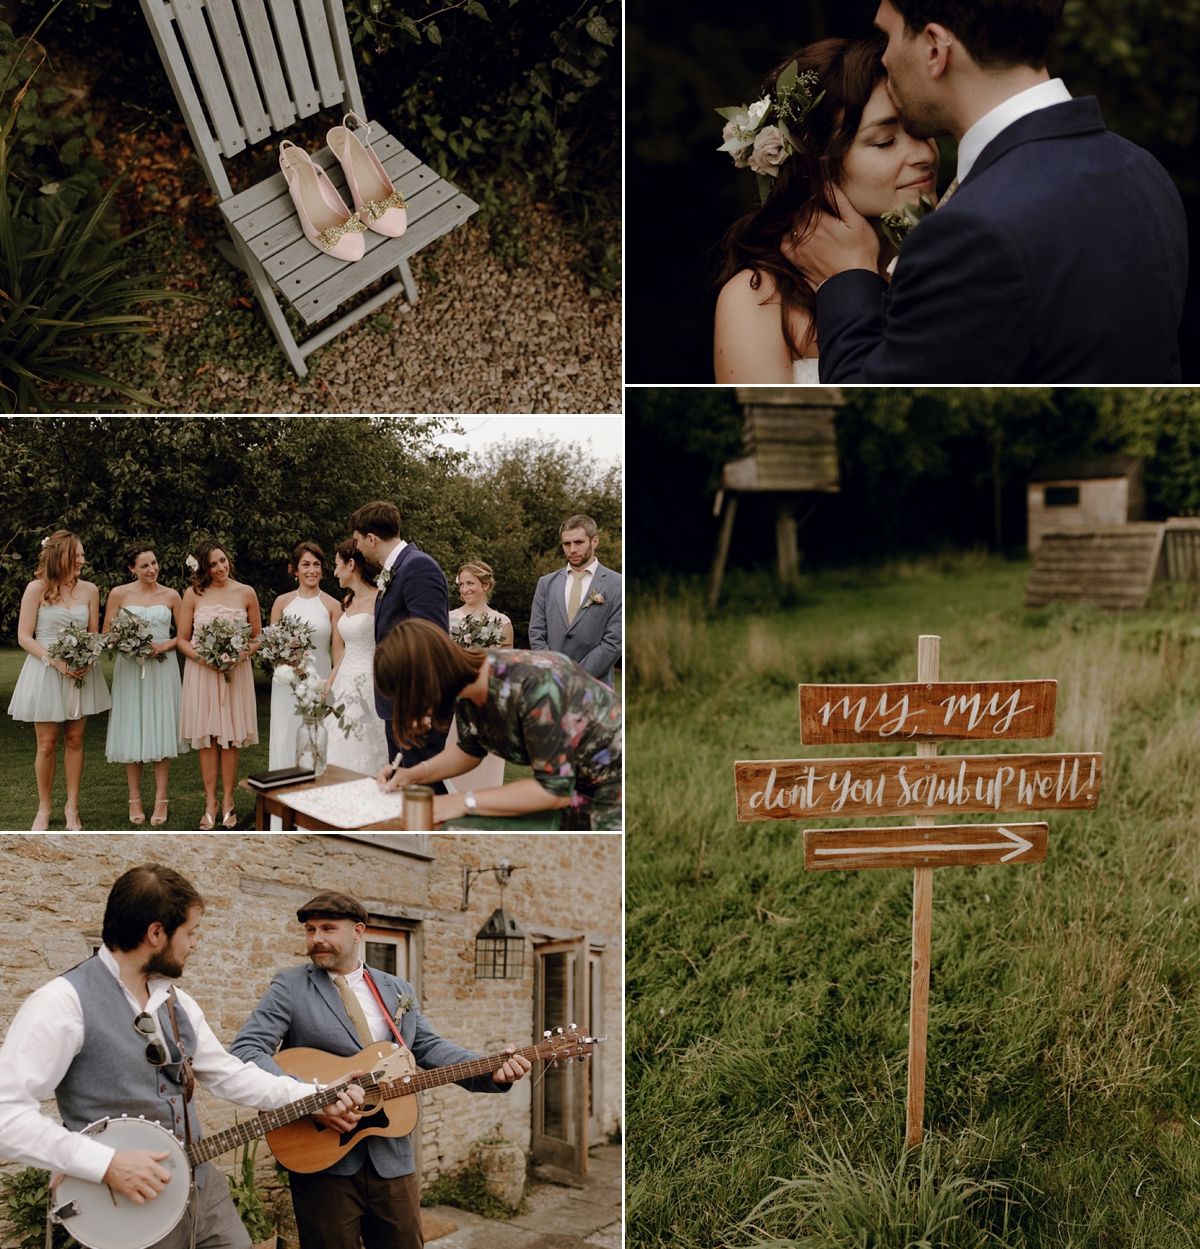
point(1113, 567)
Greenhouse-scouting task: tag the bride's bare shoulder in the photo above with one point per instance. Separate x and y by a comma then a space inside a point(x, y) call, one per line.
point(747, 290)
point(748, 342)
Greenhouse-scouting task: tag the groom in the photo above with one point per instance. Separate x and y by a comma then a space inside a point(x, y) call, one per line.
point(411, 584)
point(1061, 254)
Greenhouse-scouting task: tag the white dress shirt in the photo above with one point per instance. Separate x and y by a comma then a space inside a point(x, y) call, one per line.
point(1044, 95)
point(586, 582)
point(371, 1008)
point(394, 553)
point(41, 1044)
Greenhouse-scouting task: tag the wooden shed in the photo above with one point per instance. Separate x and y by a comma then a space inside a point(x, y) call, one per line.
point(1084, 494)
point(790, 451)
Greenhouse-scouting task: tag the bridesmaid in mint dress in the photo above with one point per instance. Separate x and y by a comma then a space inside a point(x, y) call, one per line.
point(144, 724)
point(45, 692)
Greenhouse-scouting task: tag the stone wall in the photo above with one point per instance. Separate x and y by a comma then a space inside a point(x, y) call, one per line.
point(55, 886)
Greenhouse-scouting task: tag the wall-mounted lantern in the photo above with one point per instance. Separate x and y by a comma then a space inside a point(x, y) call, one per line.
point(500, 943)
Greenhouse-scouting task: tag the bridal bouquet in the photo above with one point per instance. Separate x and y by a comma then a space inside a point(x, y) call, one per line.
point(897, 224)
point(482, 631)
point(131, 636)
point(286, 643)
point(312, 701)
point(219, 642)
point(79, 648)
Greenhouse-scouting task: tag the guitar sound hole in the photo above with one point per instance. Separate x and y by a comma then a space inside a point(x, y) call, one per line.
point(378, 1120)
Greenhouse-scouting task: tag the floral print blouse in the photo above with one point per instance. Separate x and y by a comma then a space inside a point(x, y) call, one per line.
point(543, 710)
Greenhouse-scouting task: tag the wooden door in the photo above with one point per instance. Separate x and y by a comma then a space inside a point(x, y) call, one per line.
point(560, 1090)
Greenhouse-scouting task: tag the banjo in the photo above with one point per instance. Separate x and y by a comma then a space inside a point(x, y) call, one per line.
point(102, 1218)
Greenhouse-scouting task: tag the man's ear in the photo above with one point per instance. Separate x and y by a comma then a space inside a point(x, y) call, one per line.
point(938, 45)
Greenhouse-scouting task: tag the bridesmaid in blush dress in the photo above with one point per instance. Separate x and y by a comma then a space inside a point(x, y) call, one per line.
point(45, 692)
point(144, 724)
point(217, 717)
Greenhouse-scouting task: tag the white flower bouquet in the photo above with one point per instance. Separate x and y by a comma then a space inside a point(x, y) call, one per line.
point(131, 636)
point(285, 643)
point(481, 631)
point(220, 641)
point(312, 702)
point(77, 647)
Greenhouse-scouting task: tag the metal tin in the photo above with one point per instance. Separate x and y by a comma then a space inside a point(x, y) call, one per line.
point(418, 808)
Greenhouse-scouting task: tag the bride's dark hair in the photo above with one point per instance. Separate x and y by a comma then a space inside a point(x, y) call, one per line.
point(847, 70)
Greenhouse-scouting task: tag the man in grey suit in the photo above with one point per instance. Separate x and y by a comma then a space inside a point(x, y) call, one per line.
point(374, 1190)
point(577, 609)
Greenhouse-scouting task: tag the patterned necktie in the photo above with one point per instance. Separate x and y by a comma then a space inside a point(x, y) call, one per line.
point(949, 191)
point(354, 1009)
point(578, 575)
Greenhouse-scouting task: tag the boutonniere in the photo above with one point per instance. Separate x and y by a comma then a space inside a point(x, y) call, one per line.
point(594, 597)
point(383, 581)
point(899, 222)
point(406, 1003)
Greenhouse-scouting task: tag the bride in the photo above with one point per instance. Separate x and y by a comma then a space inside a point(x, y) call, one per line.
point(829, 122)
point(365, 749)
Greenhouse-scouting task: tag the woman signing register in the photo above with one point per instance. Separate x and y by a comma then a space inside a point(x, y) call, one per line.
point(535, 708)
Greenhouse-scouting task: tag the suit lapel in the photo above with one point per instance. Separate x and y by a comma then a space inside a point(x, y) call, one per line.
point(333, 999)
point(1059, 121)
point(558, 603)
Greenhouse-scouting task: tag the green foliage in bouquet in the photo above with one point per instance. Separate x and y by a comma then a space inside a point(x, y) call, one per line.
point(62, 283)
point(25, 1194)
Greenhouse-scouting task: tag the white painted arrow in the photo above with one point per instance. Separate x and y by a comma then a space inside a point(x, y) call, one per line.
point(1015, 845)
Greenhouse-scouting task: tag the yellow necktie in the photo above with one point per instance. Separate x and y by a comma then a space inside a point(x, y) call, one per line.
point(578, 575)
point(949, 191)
point(354, 1009)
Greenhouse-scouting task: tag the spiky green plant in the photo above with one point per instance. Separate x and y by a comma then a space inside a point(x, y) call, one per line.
point(61, 282)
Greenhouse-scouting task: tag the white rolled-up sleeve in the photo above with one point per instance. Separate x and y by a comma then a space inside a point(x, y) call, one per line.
point(228, 1077)
point(41, 1044)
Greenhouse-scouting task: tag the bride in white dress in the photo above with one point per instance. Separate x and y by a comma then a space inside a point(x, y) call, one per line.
point(352, 678)
point(475, 585)
point(310, 604)
point(765, 329)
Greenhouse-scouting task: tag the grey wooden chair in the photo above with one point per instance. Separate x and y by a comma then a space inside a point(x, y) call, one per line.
point(240, 76)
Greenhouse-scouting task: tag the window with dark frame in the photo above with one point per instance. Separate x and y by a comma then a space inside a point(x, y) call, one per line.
point(1062, 496)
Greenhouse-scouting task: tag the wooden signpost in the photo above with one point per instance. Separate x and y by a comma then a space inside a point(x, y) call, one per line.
point(924, 712)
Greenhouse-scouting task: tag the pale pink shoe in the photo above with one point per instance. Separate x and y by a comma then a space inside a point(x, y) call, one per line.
point(378, 204)
point(327, 223)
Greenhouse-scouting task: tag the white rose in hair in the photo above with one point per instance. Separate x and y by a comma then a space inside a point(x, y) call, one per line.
point(731, 132)
point(769, 151)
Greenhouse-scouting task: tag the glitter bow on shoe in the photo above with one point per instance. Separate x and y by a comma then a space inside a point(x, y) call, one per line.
point(326, 221)
point(329, 238)
point(372, 210)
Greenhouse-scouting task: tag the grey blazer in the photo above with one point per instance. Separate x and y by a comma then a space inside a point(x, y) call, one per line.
point(593, 638)
point(302, 1007)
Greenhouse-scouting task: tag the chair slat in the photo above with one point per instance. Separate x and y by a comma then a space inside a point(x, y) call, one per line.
point(320, 44)
point(295, 57)
point(207, 69)
point(321, 301)
point(344, 51)
point(228, 33)
point(266, 61)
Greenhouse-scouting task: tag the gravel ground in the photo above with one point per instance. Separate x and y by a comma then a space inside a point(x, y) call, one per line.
point(482, 338)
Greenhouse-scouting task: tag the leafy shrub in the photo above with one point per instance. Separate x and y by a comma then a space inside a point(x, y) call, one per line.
point(257, 1218)
point(25, 1195)
point(61, 280)
point(467, 1190)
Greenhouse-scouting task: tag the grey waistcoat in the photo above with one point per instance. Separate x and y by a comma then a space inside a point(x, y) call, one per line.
point(110, 1076)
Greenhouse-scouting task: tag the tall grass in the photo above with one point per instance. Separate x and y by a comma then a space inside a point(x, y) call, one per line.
point(767, 1022)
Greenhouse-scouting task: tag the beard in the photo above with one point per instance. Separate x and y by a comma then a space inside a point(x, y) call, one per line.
point(163, 964)
point(922, 119)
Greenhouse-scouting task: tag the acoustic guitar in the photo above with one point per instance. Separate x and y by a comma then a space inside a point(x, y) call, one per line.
point(390, 1082)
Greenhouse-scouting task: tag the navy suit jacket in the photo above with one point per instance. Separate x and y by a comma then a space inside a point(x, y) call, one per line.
point(302, 1007)
point(417, 588)
point(1062, 257)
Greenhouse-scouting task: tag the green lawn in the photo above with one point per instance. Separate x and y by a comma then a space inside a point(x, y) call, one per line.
point(767, 1007)
point(104, 793)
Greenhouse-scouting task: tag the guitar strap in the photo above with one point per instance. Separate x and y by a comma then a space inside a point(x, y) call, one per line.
point(188, 1081)
point(391, 1022)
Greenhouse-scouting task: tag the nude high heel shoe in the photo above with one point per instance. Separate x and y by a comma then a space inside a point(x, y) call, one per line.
point(378, 204)
point(327, 223)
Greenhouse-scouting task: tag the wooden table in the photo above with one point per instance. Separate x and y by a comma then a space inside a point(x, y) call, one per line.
point(275, 802)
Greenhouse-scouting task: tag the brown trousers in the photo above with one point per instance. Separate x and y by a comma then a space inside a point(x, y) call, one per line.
point(333, 1211)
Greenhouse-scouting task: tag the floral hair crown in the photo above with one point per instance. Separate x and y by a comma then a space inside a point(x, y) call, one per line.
point(769, 146)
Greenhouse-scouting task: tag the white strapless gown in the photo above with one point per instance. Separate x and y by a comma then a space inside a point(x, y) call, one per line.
point(804, 372)
point(284, 720)
point(366, 753)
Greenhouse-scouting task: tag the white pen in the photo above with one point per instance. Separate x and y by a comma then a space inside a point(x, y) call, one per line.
point(395, 766)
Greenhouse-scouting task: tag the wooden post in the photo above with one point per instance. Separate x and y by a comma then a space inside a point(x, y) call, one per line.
point(928, 650)
point(718, 568)
point(787, 548)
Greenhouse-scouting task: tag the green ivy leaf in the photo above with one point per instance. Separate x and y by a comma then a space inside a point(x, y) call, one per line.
point(477, 10)
point(435, 35)
point(600, 30)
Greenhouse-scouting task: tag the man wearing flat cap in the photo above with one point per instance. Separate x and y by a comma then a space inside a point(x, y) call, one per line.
point(373, 1192)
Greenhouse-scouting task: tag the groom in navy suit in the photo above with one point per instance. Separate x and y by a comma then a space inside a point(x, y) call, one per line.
point(1059, 253)
point(411, 584)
